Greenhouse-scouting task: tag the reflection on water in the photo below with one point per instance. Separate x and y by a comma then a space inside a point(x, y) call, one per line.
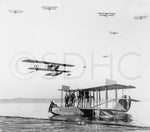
point(63, 124)
point(124, 120)
point(121, 117)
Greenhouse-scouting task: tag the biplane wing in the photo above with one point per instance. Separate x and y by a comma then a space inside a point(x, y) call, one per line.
point(45, 62)
point(44, 69)
point(53, 74)
point(107, 87)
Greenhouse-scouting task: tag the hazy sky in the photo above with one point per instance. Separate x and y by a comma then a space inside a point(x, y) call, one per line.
point(75, 33)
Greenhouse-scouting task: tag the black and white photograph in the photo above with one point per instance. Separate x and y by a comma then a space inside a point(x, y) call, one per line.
point(74, 66)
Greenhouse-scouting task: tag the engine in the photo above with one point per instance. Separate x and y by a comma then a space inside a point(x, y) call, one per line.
point(53, 67)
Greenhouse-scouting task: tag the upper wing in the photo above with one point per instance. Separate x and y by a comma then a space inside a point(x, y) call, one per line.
point(45, 62)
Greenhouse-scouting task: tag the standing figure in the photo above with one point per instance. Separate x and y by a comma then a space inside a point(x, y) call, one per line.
point(66, 100)
point(52, 104)
point(80, 98)
point(72, 98)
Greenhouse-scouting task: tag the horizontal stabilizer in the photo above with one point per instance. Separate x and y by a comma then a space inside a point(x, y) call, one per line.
point(134, 100)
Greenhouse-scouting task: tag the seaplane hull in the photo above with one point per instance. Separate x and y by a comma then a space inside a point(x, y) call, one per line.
point(66, 111)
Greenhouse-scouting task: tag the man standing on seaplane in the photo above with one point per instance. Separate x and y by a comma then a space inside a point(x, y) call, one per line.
point(52, 105)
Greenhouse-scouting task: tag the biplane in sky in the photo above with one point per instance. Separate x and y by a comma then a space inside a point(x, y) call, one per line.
point(15, 11)
point(51, 67)
point(105, 56)
point(93, 101)
point(106, 14)
point(114, 33)
point(140, 17)
point(49, 7)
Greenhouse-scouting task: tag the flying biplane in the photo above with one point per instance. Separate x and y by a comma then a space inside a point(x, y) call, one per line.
point(52, 67)
point(105, 56)
point(140, 17)
point(15, 11)
point(114, 33)
point(49, 7)
point(106, 14)
point(84, 66)
point(93, 102)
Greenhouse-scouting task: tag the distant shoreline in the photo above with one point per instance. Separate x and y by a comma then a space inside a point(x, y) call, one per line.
point(41, 100)
point(29, 100)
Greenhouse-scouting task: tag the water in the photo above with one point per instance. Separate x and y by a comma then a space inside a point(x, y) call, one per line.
point(34, 117)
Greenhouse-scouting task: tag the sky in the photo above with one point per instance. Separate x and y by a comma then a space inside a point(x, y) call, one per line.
point(75, 34)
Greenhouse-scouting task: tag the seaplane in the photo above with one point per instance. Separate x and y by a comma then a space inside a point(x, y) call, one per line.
point(114, 33)
point(93, 102)
point(49, 7)
point(106, 14)
point(52, 67)
point(140, 17)
point(15, 11)
point(105, 56)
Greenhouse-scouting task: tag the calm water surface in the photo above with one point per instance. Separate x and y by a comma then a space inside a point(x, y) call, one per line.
point(34, 117)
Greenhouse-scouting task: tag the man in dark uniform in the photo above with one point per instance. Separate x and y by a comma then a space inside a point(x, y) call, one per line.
point(52, 104)
point(66, 100)
point(72, 98)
